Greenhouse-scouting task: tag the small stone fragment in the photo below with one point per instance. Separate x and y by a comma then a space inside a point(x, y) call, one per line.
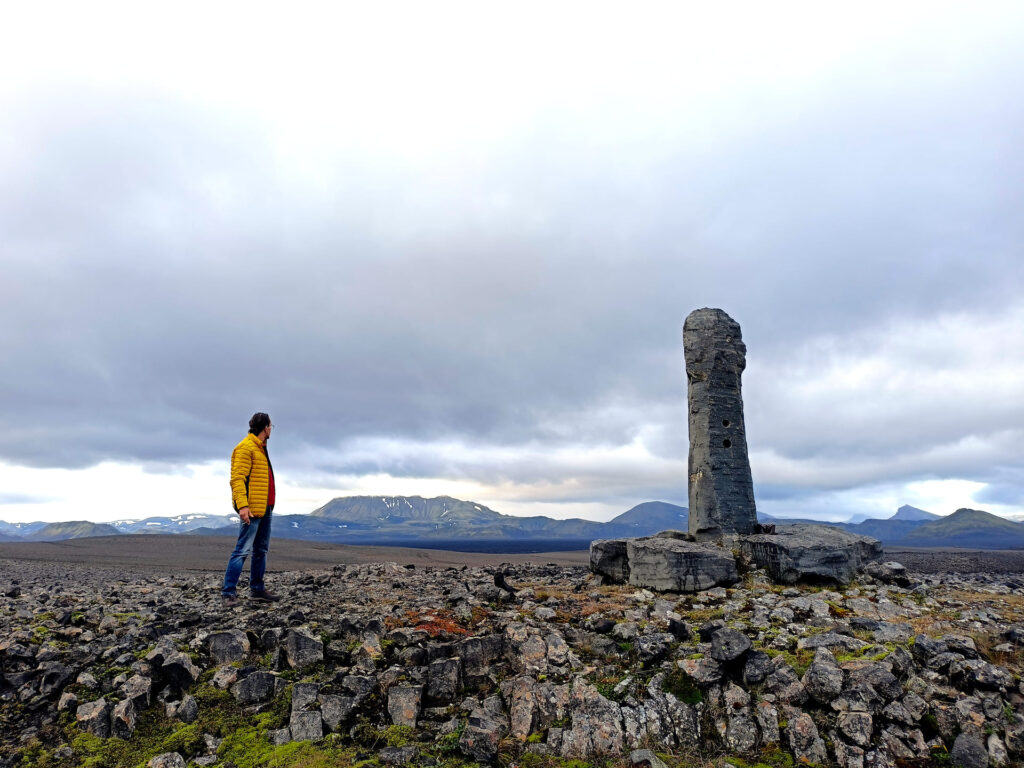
point(968, 752)
point(188, 709)
point(123, 719)
point(229, 646)
point(804, 741)
point(645, 758)
point(306, 726)
point(729, 645)
point(404, 704)
point(94, 717)
point(302, 648)
point(258, 687)
point(167, 760)
point(397, 755)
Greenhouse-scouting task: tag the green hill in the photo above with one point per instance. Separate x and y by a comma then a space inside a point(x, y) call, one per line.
point(74, 529)
point(967, 528)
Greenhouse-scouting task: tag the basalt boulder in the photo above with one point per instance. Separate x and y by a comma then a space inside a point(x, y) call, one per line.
point(811, 553)
point(667, 562)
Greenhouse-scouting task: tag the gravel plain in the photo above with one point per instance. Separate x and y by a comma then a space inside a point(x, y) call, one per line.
point(176, 554)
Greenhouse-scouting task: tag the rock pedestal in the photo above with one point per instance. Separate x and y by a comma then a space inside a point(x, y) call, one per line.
point(810, 553)
point(721, 490)
point(669, 562)
point(664, 562)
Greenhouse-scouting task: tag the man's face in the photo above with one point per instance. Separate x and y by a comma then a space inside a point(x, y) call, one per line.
point(265, 434)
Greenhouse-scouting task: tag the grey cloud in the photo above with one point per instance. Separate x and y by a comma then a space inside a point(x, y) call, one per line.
point(22, 498)
point(1006, 486)
point(166, 274)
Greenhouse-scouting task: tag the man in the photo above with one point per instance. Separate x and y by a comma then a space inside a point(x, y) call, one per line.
point(252, 493)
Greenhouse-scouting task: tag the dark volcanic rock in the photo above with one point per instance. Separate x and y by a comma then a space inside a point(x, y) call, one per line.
point(302, 648)
point(229, 646)
point(729, 645)
point(823, 680)
point(257, 687)
point(969, 752)
point(445, 680)
point(94, 717)
point(179, 670)
point(404, 702)
point(608, 558)
point(486, 725)
point(123, 718)
point(433, 649)
point(807, 745)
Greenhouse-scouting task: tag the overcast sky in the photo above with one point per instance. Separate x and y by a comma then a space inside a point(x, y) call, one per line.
point(450, 248)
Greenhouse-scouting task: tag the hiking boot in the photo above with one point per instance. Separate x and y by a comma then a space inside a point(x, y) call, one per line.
point(264, 597)
point(228, 601)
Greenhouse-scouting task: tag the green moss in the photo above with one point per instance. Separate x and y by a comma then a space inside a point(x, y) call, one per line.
point(701, 615)
point(929, 725)
point(34, 755)
point(531, 760)
point(187, 739)
point(398, 735)
point(682, 686)
point(448, 744)
point(799, 660)
point(247, 747)
point(219, 714)
point(774, 757)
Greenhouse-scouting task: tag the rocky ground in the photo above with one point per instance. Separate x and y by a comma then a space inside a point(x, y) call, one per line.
point(540, 666)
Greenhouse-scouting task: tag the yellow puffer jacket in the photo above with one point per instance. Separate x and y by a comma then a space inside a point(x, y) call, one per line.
point(250, 476)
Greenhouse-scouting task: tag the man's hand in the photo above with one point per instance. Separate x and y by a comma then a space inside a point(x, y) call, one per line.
point(245, 515)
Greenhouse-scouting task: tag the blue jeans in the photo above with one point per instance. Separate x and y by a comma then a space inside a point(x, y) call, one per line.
point(253, 537)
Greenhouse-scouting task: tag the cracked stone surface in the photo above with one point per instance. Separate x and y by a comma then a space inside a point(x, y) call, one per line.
point(721, 490)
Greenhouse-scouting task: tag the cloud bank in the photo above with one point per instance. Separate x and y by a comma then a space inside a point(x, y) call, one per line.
point(451, 260)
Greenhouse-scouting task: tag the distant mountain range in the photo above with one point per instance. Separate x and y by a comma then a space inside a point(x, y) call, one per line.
point(448, 523)
point(965, 528)
point(444, 521)
point(76, 529)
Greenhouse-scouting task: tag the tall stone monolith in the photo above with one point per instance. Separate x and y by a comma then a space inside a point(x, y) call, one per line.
point(721, 488)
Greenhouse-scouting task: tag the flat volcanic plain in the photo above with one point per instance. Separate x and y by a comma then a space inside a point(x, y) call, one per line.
point(172, 554)
point(168, 554)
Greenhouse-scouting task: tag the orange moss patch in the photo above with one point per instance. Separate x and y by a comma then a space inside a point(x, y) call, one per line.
point(435, 624)
point(439, 626)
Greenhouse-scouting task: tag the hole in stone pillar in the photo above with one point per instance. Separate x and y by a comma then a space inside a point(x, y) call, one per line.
point(725, 422)
point(727, 443)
